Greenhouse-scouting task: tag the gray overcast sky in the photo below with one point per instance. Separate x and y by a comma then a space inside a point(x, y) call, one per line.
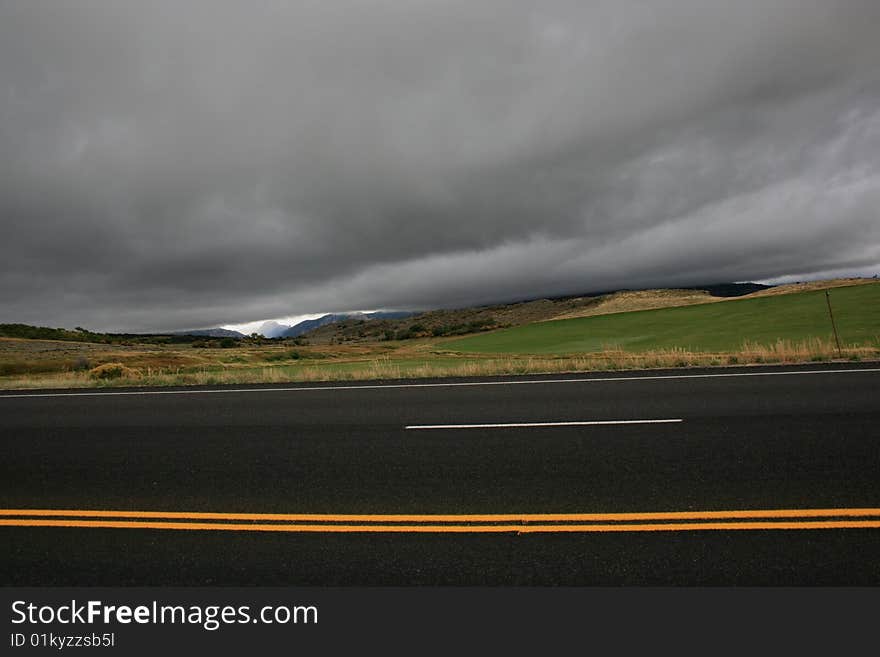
point(178, 164)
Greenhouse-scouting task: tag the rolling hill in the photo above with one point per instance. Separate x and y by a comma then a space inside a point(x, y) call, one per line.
point(713, 326)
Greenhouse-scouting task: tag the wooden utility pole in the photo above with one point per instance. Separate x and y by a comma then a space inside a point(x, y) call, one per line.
point(833, 325)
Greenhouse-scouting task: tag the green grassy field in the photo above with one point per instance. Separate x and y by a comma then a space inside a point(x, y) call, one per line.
point(712, 327)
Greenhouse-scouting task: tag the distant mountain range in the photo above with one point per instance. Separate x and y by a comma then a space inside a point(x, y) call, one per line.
point(311, 324)
point(272, 329)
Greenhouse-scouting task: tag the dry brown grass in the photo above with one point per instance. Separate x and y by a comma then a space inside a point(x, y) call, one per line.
point(782, 352)
point(621, 302)
point(793, 288)
point(114, 371)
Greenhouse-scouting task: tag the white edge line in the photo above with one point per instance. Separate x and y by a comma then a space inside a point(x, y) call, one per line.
point(432, 385)
point(538, 424)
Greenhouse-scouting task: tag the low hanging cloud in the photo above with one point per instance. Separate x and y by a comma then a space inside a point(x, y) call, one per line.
point(170, 165)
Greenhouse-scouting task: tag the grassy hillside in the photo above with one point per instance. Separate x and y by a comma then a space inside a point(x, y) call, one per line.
point(463, 321)
point(714, 327)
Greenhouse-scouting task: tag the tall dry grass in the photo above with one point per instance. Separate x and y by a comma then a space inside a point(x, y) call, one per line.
point(610, 359)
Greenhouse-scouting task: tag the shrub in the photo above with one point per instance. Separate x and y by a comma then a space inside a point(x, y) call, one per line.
point(113, 371)
point(293, 354)
point(80, 364)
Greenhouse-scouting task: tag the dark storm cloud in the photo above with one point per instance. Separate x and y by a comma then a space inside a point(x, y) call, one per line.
point(178, 164)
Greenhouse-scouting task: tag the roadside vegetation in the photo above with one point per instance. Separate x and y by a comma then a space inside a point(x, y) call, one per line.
point(759, 328)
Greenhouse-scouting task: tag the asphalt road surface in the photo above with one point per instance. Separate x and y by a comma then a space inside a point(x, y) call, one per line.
point(752, 476)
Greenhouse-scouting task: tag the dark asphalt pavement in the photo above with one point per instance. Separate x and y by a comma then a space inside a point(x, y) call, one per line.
point(773, 441)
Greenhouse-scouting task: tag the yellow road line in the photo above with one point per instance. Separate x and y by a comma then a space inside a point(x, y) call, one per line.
point(460, 528)
point(460, 518)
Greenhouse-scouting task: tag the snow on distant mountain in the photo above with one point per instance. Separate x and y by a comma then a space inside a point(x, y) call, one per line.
point(311, 324)
point(272, 329)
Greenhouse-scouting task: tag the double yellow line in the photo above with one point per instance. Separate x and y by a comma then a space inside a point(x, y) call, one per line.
point(757, 519)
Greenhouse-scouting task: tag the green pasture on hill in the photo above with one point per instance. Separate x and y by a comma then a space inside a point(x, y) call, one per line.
point(714, 327)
